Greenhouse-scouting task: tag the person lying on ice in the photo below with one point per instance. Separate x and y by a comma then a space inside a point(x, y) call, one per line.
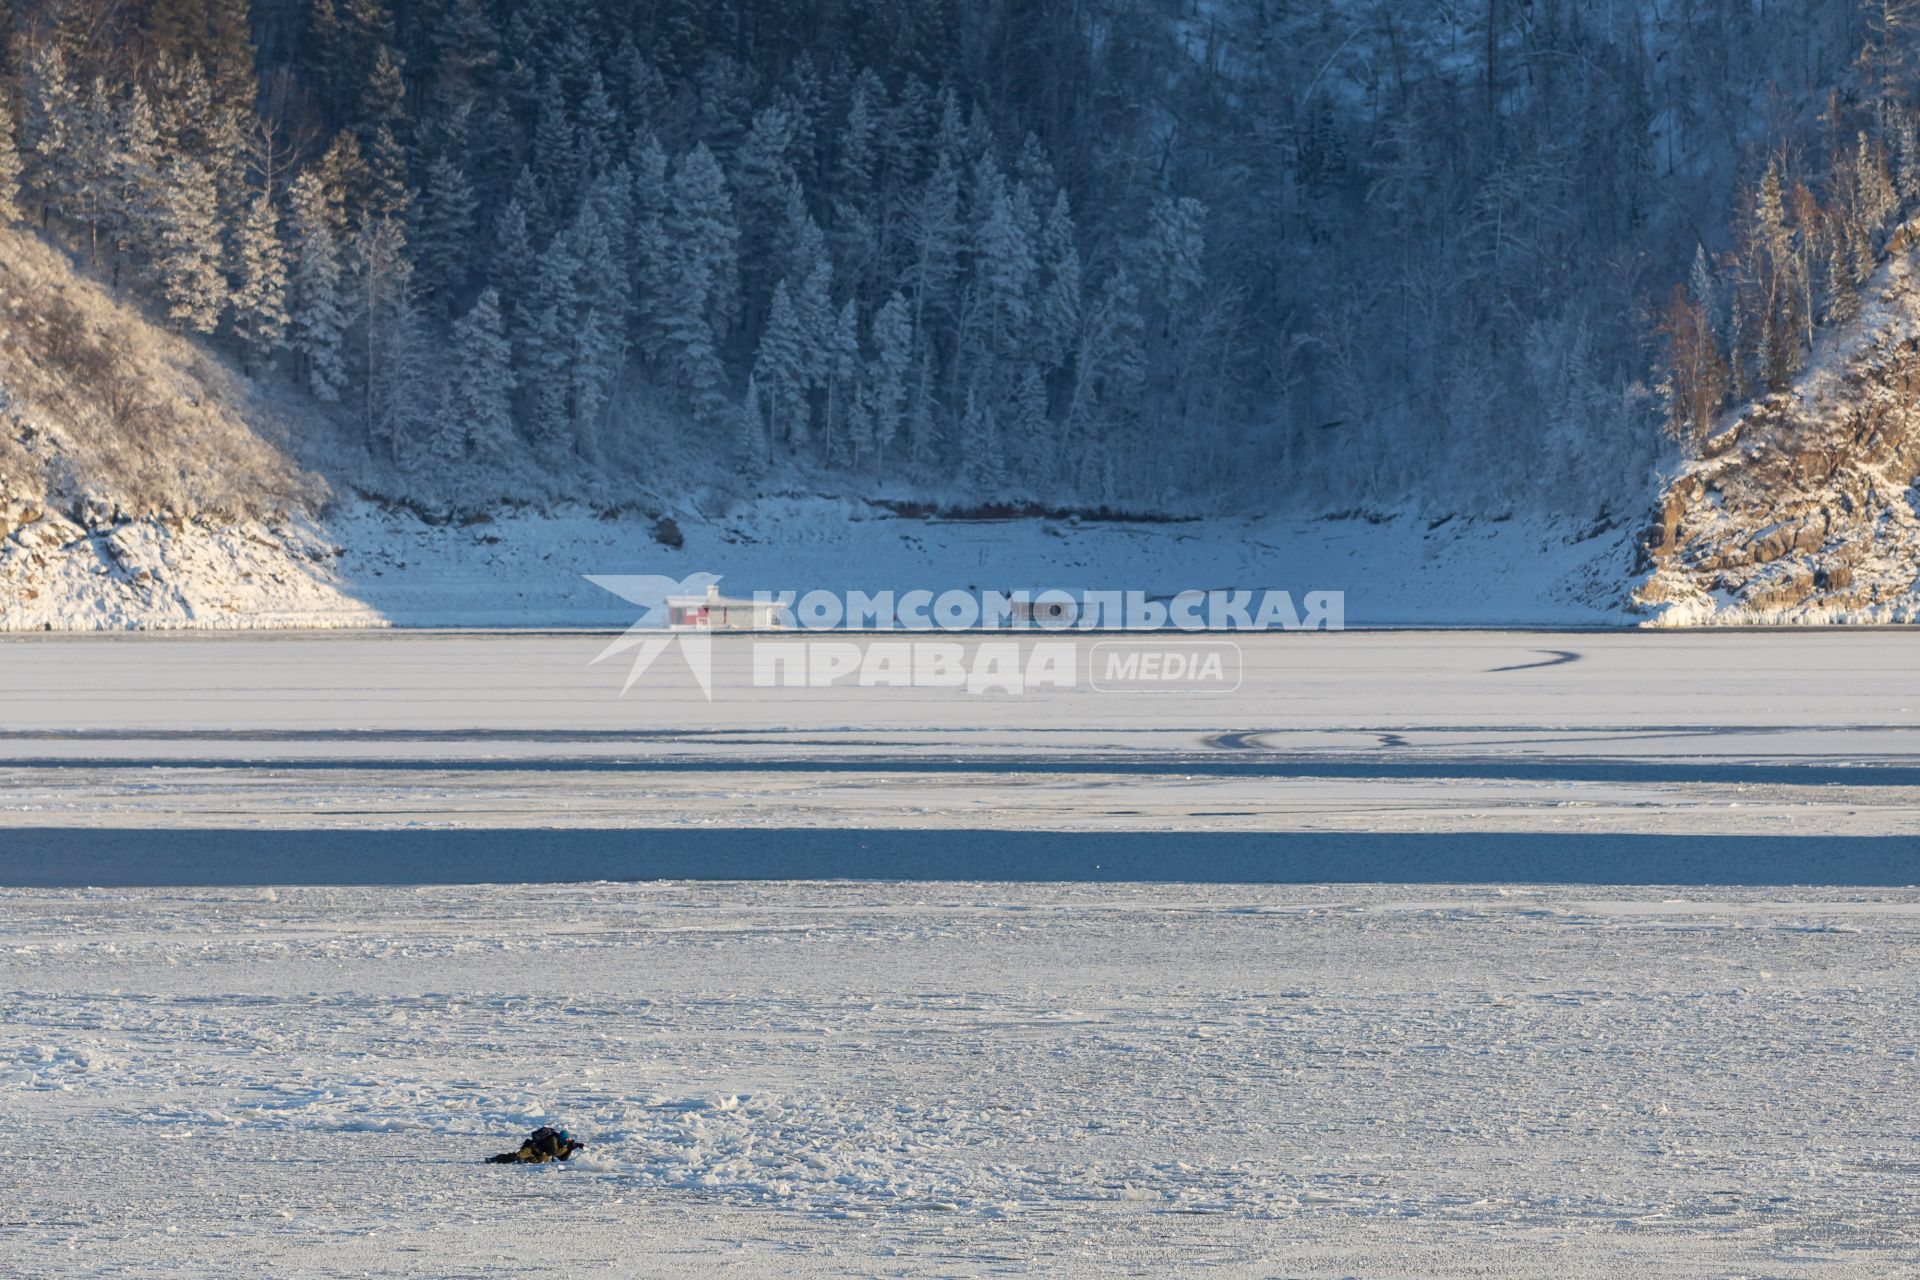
point(545, 1144)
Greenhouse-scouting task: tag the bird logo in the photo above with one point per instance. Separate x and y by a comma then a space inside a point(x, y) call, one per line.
point(648, 637)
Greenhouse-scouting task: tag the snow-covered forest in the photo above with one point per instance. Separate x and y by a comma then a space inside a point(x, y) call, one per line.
point(1319, 255)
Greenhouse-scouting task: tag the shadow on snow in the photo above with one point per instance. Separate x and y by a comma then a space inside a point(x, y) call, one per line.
point(31, 857)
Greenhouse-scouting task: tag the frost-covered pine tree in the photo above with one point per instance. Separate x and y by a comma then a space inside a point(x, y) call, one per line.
point(225, 155)
point(389, 194)
point(319, 313)
point(1109, 371)
point(1173, 294)
point(600, 280)
point(476, 412)
point(1002, 302)
point(980, 449)
point(138, 195)
point(995, 328)
point(469, 49)
point(1906, 158)
point(382, 122)
point(1174, 251)
point(444, 243)
point(176, 27)
point(1571, 415)
point(923, 419)
point(344, 181)
point(90, 164)
point(1028, 427)
point(551, 334)
point(598, 129)
point(856, 216)
point(600, 346)
point(842, 379)
point(700, 282)
point(646, 250)
point(597, 352)
point(532, 199)
point(183, 104)
point(1034, 168)
point(750, 430)
point(780, 369)
point(53, 107)
point(260, 290)
point(555, 161)
point(762, 178)
point(1875, 198)
point(229, 25)
point(933, 229)
point(398, 397)
point(610, 196)
point(800, 245)
point(1058, 312)
point(406, 393)
point(191, 279)
point(884, 396)
point(813, 304)
point(515, 266)
point(382, 95)
point(1700, 279)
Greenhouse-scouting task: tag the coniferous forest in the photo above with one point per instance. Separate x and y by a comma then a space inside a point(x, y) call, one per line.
point(1320, 255)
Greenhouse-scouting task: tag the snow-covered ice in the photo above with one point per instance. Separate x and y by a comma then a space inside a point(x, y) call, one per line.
point(1708, 743)
point(961, 1079)
point(1423, 954)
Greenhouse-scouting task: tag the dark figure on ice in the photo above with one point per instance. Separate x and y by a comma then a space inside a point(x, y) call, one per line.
point(545, 1144)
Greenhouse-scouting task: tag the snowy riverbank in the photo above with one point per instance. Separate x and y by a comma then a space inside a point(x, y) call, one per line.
point(365, 566)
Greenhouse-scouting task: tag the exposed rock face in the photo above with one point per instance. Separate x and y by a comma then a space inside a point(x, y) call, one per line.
point(1805, 508)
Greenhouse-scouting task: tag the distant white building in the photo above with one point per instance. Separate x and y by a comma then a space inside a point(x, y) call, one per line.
point(715, 612)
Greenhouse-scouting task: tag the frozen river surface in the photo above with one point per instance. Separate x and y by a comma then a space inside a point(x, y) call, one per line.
point(961, 1079)
point(1706, 758)
point(1419, 955)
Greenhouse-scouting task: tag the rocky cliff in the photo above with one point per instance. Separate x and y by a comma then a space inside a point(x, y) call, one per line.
point(1804, 508)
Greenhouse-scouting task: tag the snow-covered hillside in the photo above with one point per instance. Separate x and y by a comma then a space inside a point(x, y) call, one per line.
point(146, 484)
point(108, 417)
point(142, 481)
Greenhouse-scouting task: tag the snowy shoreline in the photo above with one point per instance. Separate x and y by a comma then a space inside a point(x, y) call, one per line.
point(367, 567)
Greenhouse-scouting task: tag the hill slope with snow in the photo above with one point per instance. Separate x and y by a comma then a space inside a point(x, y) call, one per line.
point(143, 483)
